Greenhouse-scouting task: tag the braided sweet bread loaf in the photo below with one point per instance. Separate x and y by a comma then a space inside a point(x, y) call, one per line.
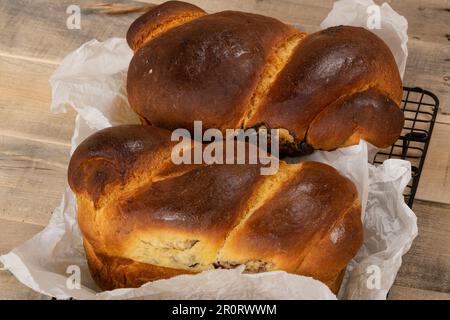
point(144, 218)
point(238, 70)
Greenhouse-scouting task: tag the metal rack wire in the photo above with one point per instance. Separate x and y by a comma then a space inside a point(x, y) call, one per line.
point(420, 108)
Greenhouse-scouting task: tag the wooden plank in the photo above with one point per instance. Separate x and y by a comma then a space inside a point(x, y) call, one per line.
point(404, 293)
point(307, 14)
point(13, 234)
point(37, 30)
point(427, 265)
point(12, 289)
point(25, 103)
point(34, 143)
point(429, 67)
point(443, 118)
point(429, 47)
point(32, 178)
point(434, 183)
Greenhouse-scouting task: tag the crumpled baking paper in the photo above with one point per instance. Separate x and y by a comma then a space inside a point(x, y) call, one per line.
point(92, 81)
point(381, 20)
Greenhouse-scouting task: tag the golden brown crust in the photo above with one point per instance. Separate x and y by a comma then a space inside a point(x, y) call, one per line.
point(189, 74)
point(363, 115)
point(114, 155)
point(249, 70)
point(145, 218)
point(216, 200)
point(334, 249)
point(326, 66)
point(160, 19)
point(301, 211)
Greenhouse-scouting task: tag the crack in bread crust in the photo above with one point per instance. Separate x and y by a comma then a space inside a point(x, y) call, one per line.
point(313, 246)
point(260, 196)
point(159, 20)
point(148, 35)
point(274, 66)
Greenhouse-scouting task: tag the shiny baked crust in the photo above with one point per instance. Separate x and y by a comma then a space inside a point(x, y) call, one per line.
point(232, 69)
point(144, 218)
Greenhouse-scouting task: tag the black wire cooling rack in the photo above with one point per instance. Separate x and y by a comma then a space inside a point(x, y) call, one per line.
point(420, 108)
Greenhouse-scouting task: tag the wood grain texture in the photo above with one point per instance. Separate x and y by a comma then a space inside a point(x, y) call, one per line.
point(36, 29)
point(429, 46)
point(306, 14)
point(32, 178)
point(13, 234)
point(427, 265)
point(405, 293)
point(25, 103)
point(429, 67)
point(34, 143)
point(12, 289)
point(434, 183)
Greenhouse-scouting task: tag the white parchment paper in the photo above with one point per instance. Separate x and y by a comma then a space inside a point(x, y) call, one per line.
point(381, 20)
point(92, 81)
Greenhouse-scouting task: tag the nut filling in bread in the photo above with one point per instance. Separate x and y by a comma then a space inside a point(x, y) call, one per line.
point(288, 144)
point(176, 245)
point(252, 266)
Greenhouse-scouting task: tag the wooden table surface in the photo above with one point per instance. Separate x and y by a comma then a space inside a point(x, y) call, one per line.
point(34, 144)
